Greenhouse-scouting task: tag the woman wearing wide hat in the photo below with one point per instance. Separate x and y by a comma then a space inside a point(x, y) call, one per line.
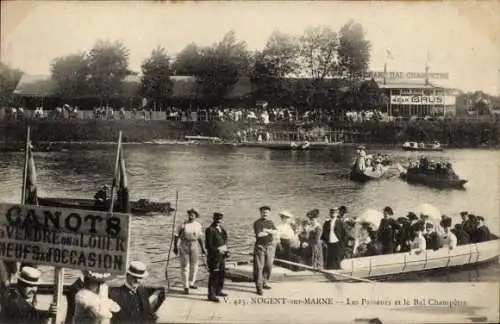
point(90, 307)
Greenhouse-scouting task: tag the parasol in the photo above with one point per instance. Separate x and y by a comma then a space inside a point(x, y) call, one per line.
point(428, 210)
point(372, 217)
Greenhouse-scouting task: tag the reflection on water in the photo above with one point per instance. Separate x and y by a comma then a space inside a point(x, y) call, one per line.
point(236, 181)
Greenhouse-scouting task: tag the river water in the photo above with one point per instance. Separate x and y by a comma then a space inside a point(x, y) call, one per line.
point(236, 181)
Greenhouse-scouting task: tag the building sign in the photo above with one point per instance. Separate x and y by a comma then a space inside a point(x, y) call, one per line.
point(405, 75)
point(422, 100)
point(65, 238)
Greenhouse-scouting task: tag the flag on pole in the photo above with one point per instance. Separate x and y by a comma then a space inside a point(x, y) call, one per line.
point(389, 55)
point(121, 184)
point(30, 191)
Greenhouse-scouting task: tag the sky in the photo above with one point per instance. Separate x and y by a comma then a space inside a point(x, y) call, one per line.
point(459, 38)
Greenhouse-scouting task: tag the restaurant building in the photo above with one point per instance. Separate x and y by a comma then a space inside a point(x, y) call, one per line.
point(412, 94)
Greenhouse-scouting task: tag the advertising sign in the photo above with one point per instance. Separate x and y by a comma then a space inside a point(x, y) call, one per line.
point(65, 238)
point(422, 100)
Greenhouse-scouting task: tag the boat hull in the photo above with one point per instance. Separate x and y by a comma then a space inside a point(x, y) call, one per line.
point(139, 207)
point(387, 266)
point(432, 182)
point(286, 146)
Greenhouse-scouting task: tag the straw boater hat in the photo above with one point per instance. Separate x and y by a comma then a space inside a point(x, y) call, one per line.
point(137, 269)
point(29, 276)
point(286, 214)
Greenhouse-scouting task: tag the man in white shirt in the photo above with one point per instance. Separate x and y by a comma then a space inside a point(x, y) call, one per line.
point(334, 238)
point(190, 235)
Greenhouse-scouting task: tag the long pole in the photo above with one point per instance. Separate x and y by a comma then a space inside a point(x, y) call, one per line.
point(172, 239)
point(117, 161)
point(26, 158)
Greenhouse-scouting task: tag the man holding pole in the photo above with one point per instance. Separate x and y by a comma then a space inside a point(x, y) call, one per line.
point(265, 249)
point(19, 303)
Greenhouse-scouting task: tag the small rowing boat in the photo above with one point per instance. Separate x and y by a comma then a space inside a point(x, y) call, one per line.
point(138, 207)
point(422, 147)
point(383, 267)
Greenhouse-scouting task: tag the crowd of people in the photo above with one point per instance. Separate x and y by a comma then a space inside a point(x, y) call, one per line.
point(86, 302)
point(343, 236)
point(438, 169)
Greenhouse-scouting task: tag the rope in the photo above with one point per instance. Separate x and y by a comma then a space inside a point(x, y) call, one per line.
point(172, 239)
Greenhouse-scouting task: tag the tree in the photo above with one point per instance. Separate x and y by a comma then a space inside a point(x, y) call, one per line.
point(353, 50)
point(155, 82)
point(70, 74)
point(317, 59)
point(370, 95)
point(9, 78)
point(187, 61)
point(108, 67)
point(277, 61)
point(221, 65)
point(317, 52)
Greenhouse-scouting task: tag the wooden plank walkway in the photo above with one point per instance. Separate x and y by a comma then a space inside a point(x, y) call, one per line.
point(326, 302)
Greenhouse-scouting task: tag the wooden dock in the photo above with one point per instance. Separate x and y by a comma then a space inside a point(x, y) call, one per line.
point(326, 302)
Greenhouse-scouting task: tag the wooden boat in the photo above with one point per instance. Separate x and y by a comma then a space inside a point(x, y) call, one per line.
point(416, 147)
point(139, 207)
point(203, 139)
point(430, 179)
point(358, 175)
point(384, 267)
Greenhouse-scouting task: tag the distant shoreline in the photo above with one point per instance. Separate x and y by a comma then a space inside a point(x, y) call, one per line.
point(454, 134)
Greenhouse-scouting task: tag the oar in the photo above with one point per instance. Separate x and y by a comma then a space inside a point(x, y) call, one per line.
point(328, 273)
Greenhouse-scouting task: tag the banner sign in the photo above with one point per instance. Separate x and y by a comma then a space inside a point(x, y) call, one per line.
point(66, 238)
point(422, 100)
point(405, 75)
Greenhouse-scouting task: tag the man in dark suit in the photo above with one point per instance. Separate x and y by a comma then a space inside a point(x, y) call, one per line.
point(217, 252)
point(133, 298)
point(19, 303)
point(334, 236)
point(387, 231)
point(482, 232)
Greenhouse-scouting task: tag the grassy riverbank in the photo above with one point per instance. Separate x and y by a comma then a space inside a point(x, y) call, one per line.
point(452, 133)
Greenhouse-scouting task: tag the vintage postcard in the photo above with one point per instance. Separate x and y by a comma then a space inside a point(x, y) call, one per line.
point(249, 162)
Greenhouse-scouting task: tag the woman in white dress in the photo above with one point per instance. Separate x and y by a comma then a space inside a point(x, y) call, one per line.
point(419, 244)
point(447, 238)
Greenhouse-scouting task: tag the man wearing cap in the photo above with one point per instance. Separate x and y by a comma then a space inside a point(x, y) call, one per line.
point(133, 298)
point(387, 231)
point(188, 242)
point(334, 237)
point(217, 252)
point(264, 251)
point(482, 232)
point(19, 303)
point(467, 224)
